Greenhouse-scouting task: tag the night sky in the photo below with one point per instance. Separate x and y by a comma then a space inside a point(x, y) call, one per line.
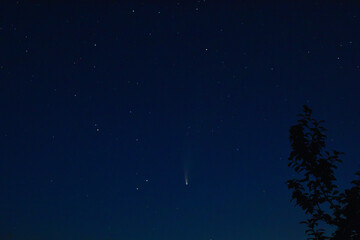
point(109, 108)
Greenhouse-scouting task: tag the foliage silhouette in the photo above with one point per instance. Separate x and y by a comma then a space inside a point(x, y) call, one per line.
point(314, 190)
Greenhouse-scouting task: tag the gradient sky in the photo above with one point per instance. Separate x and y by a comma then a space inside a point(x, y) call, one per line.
point(105, 107)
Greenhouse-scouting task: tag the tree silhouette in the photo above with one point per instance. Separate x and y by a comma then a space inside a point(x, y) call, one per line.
point(314, 189)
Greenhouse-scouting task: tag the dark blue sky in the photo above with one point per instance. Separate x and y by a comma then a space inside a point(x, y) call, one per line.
point(105, 106)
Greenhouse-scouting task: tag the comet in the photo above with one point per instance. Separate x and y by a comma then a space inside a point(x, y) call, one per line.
point(188, 160)
point(186, 178)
